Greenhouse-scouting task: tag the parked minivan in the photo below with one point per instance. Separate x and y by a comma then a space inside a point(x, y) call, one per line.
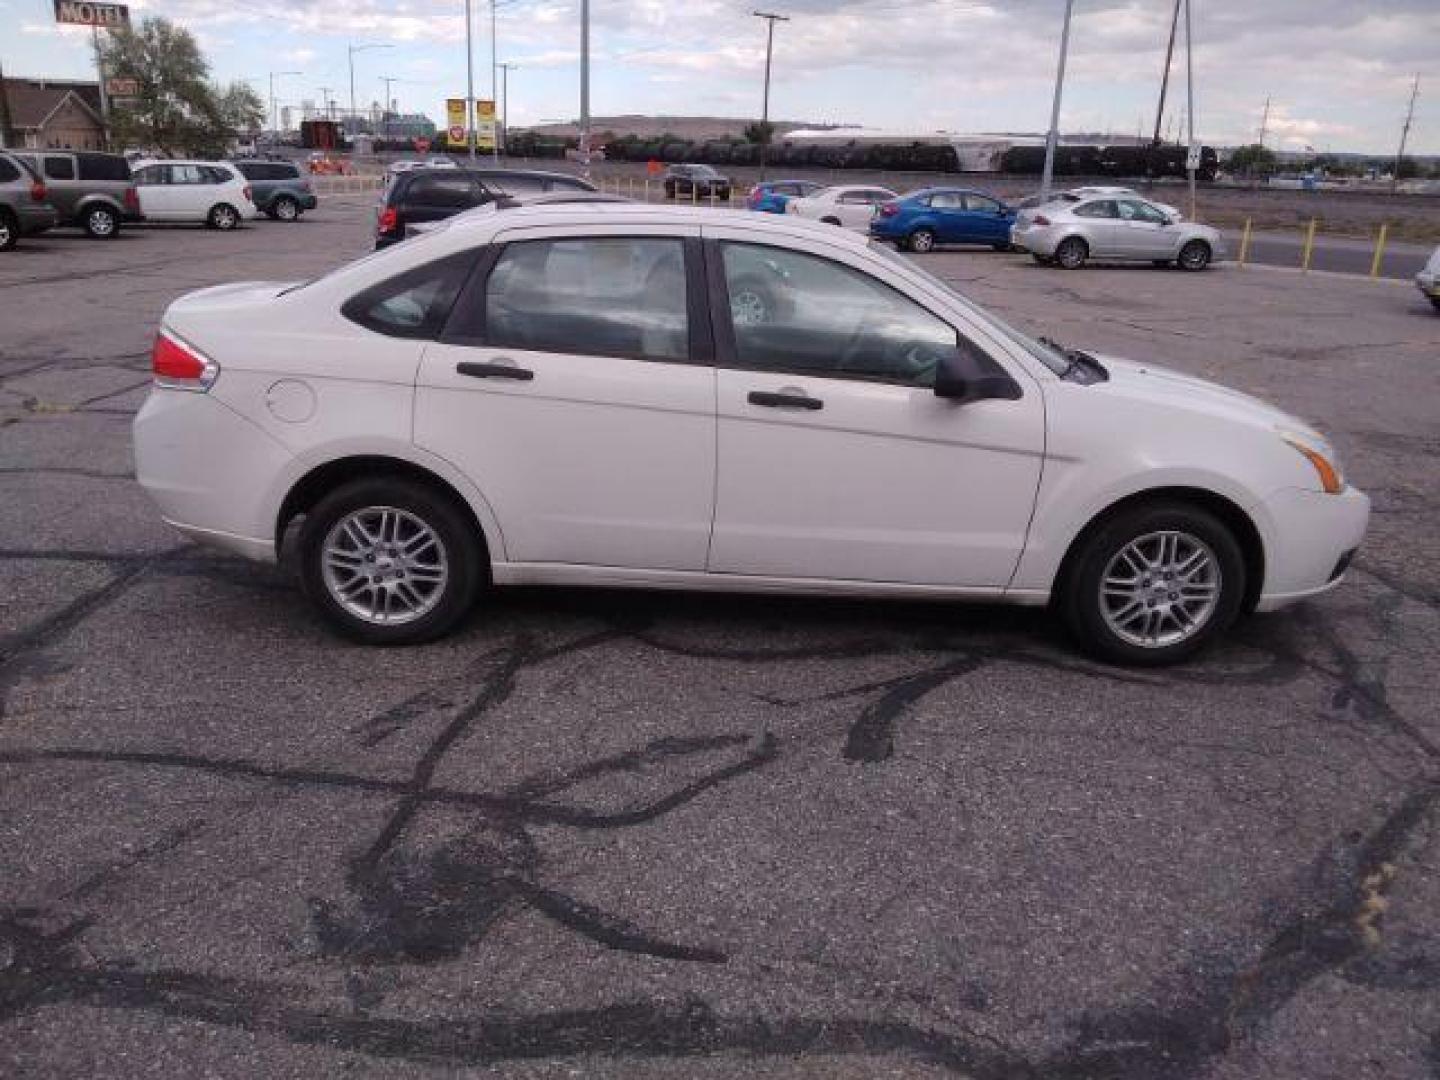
point(212, 192)
point(89, 190)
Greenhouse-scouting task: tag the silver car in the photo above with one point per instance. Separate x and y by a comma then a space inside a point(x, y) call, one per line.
point(1068, 233)
point(1428, 279)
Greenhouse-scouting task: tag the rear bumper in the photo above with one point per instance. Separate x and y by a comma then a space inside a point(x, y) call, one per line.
point(1038, 240)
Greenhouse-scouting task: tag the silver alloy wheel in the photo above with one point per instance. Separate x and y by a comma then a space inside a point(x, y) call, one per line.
point(1160, 589)
point(748, 308)
point(384, 565)
point(6, 236)
point(1194, 255)
point(224, 217)
point(100, 222)
point(287, 209)
point(922, 240)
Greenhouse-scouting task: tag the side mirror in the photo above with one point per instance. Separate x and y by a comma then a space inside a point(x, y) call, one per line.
point(963, 376)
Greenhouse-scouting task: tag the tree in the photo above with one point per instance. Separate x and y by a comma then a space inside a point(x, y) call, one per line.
point(1253, 159)
point(176, 108)
point(761, 131)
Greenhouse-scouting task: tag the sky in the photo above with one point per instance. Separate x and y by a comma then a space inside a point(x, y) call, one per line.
point(1338, 72)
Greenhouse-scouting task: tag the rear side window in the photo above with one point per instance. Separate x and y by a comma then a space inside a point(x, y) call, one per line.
point(8, 171)
point(109, 167)
point(1105, 208)
point(213, 174)
point(416, 303)
point(441, 190)
point(605, 296)
point(58, 167)
point(947, 200)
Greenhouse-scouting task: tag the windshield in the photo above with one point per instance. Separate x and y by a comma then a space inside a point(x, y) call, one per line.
point(1052, 357)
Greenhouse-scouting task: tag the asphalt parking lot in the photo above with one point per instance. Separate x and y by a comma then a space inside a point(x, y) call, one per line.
point(610, 834)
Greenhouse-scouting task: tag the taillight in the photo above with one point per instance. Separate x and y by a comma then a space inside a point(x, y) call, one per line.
point(889, 209)
point(179, 367)
point(132, 199)
point(1040, 219)
point(389, 221)
point(246, 192)
point(37, 191)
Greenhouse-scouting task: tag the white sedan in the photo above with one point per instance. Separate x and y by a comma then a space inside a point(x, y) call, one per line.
point(850, 205)
point(212, 192)
point(619, 394)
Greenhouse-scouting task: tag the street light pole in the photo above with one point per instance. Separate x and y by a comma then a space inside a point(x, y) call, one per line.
point(469, 83)
point(385, 110)
point(274, 115)
point(770, 20)
point(1052, 137)
point(504, 123)
point(585, 88)
point(353, 49)
point(494, 72)
point(1191, 149)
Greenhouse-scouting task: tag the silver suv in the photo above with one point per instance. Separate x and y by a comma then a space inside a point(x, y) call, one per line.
point(23, 209)
point(91, 191)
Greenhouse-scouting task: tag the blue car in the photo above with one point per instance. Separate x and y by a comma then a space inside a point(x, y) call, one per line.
point(770, 196)
point(931, 216)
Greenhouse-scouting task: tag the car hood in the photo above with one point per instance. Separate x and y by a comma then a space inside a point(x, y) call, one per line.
point(1173, 389)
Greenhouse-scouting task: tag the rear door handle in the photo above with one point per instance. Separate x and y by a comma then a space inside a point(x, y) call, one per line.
point(772, 400)
point(494, 371)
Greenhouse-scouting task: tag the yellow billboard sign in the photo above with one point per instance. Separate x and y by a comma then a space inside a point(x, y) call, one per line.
point(455, 119)
point(485, 125)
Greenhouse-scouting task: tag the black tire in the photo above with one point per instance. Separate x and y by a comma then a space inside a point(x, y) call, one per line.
point(284, 208)
point(830, 221)
point(1435, 300)
point(101, 223)
point(920, 241)
point(1079, 599)
point(464, 554)
point(9, 230)
point(223, 216)
point(1071, 253)
point(1195, 256)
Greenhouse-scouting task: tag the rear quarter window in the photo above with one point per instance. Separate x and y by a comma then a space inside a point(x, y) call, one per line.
point(414, 304)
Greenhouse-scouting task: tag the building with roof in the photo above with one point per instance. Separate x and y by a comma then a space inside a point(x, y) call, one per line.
point(48, 114)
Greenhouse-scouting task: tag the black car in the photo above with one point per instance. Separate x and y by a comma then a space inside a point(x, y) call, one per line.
point(695, 182)
point(420, 195)
point(278, 188)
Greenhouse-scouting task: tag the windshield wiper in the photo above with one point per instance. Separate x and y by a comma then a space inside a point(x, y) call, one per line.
point(1079, 365)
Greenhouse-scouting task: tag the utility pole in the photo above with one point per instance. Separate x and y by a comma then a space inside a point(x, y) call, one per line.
point(1052, 137)
point(274, 113)
point(1264, 121)
point(494, 78)
point(100, 78)
point(325, 96)
point(1191, 150)
point(469, 83)
point(770, 19)
point(1164, 87)
point(1405, 132)
point(353, 49)
point(584, 148)
point(504, 118)
point(386, 111)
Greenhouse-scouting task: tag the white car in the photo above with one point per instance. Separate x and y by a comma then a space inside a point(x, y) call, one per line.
point(1428, 279)
point(850, 205)
point(619, 394)
point(213, 192)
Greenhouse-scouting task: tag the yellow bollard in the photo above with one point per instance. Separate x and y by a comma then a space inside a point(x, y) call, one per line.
point(1244, 244)
point(647, 189)
point(1379, 249)
point(694, 195)
point(1309, 247)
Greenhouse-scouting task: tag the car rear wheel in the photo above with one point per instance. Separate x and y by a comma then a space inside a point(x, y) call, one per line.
point(9, 231)
point(223, 217)
point(1436, 301)
point(830, 221)
point(285, 209)
point(102, 223)
point(1154, 584)
point(921, 241)
point(390, 562)
point(1195, 256)
point(1072, 253)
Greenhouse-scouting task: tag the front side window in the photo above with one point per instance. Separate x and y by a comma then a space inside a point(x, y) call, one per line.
point(801, 313)
point(414, 304)
point(605, 296)
point(947, 200)
point(60, 168)
point(1134, 210)
point(211, 174)
point(186, 174)
point(981, 203)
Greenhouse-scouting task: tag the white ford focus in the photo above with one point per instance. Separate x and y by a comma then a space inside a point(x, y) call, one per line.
point(619, 394)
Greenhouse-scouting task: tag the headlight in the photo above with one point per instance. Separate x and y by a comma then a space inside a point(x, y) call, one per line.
point(1329, 471)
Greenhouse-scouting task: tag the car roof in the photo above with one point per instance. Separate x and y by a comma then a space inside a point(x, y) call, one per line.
point(488, 219)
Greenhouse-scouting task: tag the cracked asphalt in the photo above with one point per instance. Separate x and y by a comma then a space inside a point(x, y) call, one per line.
point(612, 835)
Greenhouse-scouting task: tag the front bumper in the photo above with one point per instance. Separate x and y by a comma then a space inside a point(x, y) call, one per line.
point(1428, 283)
point(1314, 536)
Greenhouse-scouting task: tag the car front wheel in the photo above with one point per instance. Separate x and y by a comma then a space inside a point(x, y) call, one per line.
point(1195, 256)
point(101, 223)
point(386, 561)
point(1154, 584)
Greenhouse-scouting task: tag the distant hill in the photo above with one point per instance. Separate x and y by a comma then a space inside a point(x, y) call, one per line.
point(692, 128)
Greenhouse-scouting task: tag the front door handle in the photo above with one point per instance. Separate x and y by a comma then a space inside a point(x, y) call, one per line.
point(494, 371)
point(784, 400)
